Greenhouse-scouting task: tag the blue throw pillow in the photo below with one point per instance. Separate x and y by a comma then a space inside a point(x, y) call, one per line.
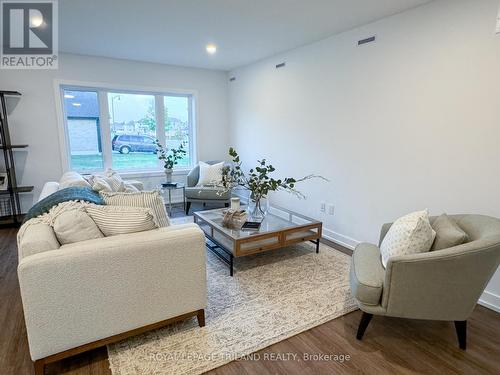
point(64, 195)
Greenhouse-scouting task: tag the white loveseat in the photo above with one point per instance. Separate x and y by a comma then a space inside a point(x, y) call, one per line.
point(84, 295)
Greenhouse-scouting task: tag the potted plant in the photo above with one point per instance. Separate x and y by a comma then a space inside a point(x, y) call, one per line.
point(170, 157)
point(259, 183)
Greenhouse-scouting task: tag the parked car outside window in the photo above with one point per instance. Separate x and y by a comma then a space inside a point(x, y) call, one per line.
point(126, 143)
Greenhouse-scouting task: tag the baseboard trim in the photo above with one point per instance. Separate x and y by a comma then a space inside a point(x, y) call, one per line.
point(490, 301)
point(340, 239)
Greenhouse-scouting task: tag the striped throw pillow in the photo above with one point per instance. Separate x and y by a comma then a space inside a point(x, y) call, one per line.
point(114, 220)
point(114, 180)
point(146, 199)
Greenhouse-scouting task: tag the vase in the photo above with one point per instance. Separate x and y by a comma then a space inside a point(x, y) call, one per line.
point(168, 173)
point(257, 208)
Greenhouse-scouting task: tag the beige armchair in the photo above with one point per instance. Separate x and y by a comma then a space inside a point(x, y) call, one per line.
point(438, 285)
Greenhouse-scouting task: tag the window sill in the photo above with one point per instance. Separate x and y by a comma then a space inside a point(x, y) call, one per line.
point(145, 174)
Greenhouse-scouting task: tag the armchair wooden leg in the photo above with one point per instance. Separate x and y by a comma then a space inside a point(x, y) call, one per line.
point(201, 318)
point(188, 206)
point(365, 320)
point(461, 328)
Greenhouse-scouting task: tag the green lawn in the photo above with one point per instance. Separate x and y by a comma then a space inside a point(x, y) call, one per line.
point(134, 160)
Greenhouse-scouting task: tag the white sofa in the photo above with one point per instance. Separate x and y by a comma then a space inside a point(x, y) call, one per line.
point(83, 295)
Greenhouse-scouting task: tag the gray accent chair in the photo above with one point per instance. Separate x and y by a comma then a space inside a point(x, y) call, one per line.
point(438, 285)
point(204, 194)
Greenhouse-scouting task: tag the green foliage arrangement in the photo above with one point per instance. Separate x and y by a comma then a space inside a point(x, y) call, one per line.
point(170, 157)
point(258, 181)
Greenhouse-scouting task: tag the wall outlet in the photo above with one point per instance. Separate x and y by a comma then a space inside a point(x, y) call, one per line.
point(331, 209)
point(323, 207)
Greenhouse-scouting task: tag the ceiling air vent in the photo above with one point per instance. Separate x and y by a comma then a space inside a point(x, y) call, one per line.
point(282, 65)
point(232, 79)
point(367, 40)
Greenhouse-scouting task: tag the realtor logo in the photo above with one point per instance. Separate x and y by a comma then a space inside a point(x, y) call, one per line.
point(29, 34)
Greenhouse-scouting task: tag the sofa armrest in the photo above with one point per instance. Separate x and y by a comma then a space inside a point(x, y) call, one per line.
point(48, 189)
point(440, 285)
point(84, 292)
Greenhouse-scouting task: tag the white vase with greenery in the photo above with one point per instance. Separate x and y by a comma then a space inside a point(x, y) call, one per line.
point(170, 158)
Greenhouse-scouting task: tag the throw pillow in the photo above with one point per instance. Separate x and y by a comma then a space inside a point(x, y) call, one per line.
point(114, 180)
point(72, 179)
point(99, 184)
point(448, 233)
point(210, 174)
point(410, 234)
point(75, 226)
point(114, 220)
point(146, 199)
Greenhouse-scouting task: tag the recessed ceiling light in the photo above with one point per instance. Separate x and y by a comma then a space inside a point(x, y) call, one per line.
point(76, 104)
point(211, 48)
point(69, 96)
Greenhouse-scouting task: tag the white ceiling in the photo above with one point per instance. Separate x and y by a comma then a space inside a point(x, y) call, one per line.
point(176, 31)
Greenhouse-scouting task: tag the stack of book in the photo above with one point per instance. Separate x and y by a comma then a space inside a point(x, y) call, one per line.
point(234, 219)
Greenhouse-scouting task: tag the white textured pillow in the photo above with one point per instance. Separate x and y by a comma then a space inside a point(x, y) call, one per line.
point(75, 226)
point(146, 199)
point(210, 174)
point(72, 179)
point(114, 220)
point(410, 234)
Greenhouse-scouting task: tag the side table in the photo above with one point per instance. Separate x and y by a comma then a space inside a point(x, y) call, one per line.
point(169, 189)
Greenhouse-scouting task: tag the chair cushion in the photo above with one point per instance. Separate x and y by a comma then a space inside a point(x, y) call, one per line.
point(367, 274)
point(410, 234)
point(448, 233)
point(207, 193)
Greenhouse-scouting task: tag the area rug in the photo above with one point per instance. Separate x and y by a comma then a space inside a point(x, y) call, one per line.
point(271, 297)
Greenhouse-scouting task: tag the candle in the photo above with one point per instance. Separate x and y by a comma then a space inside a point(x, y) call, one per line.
point(235, 204)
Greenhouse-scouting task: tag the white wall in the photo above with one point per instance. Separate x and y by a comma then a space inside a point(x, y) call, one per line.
point(34, 120)
point(409, 122)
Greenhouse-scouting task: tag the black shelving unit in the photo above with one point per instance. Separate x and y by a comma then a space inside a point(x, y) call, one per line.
point(10, 207)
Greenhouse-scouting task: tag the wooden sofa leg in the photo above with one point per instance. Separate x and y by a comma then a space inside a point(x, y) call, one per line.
point(39, 367)
point(201, 317)
point(365, 320)
point(188, 206)
point(461, 328)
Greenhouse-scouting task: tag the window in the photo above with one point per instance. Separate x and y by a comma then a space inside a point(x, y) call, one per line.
point(132, 114)
point(82, 126)
point(118, 129)
point(177, 129)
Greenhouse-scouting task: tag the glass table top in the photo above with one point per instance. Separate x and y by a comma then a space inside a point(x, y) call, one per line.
point(278, 219)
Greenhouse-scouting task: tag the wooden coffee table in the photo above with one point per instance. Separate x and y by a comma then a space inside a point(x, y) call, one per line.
point(279, 229)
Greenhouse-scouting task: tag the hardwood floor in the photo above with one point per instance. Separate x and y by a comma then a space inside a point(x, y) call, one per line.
point(390, 346)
